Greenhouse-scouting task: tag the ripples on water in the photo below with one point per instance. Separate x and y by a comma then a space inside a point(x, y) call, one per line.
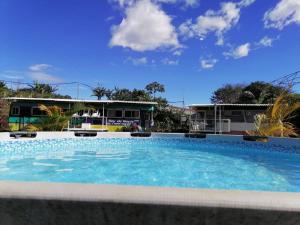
point(154, 162)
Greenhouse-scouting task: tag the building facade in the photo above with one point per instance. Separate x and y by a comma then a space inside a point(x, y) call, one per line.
point(224, 118)
point(103, 114)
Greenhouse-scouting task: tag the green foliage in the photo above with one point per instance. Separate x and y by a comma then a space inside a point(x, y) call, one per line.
point(36, 90)
point(255, 93)
point(42, 89)
point(4, 90)
point(294, 98)
point(4, 113)
point(100, 92)
point(122, 94)
point(56, 119)
point(166, 120)
point(155, 87)
point(247, 97)
point(227, 94)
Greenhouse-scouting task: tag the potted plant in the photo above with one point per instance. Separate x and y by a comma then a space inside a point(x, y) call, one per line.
point(275, 121)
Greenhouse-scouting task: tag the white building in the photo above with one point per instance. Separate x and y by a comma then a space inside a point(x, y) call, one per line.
point(224, 118)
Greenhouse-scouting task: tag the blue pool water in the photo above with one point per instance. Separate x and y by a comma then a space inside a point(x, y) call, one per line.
point(153, 162)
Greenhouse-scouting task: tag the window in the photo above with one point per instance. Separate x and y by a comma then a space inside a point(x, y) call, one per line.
point(117, 113)
point(236, 113)
point(35, 111)
point(210, 113)
point(237, 116)
point(100, 112)
point(132, 113)
point(15, 111)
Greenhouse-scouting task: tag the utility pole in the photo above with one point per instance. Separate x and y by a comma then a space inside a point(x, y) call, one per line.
point(77, 90)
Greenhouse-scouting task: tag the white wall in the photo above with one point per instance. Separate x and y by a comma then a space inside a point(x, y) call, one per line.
point(241, 126)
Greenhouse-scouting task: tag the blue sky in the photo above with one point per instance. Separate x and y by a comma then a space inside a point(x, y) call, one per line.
point(191, 46)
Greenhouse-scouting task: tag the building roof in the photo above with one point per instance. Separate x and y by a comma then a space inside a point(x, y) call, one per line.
point(229, 104)
point(79, 100)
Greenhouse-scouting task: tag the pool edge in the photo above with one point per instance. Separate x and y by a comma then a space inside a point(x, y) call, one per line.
point(76, 192)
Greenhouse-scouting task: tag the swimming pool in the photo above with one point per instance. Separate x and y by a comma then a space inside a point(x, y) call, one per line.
point(167, 162)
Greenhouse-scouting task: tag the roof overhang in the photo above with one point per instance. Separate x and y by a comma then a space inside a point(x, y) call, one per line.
point(238, 105)
point(79, 101)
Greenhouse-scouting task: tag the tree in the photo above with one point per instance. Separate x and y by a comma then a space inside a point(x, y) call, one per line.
point(255, 93)
point(247, 97)
point(99, 92)
point(2, 85)
point(227, 94)
point(140, 95)
point(4, 113)
point(42, 90)
point(4, 90)
point(155, 87)
point(256, 88)
point(263, 92)
point(270, 94)
point(122, 94)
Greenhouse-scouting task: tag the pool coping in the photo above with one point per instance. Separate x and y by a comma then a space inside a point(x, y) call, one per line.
point(42, 135)
point(236, 199)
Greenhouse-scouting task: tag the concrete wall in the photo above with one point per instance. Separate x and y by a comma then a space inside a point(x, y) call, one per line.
point(79, 204)
point(241, 126)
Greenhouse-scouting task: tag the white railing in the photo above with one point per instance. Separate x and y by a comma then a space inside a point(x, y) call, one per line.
point(204, 125)
point(85, 125)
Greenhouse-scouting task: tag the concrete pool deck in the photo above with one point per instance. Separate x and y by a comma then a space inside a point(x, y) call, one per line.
point(36, 203)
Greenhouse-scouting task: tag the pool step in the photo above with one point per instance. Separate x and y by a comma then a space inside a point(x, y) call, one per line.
point(22, 134)
point(195, 135)
point(255, 138)
point(85, 133)
point(140, 134)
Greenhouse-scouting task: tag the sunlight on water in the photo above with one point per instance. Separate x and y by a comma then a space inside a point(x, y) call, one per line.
point(153, 162)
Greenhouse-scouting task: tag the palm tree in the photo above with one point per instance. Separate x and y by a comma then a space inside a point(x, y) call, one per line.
point(55, 118)
point(275, 121)
point(99, 92)
point(2, 85)
point(4, 90)
point(42, 89)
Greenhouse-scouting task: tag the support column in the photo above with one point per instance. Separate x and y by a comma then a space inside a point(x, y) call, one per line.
point(215, 118)
point(103, 115)
point(220, 120)
point(152, 119)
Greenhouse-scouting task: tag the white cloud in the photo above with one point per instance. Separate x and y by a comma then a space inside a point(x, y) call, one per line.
point(187, 3)
point(191, 3)
point(245, 3)
point(239, 52)
point(216, 22)
point(146, 27)
point(138, 61)
point(177, 53)
point(40, 72)
point(208, 63)
point(284, 13)
point(170, 62)
point(12, 75)
point(39, 67)
point(266, 42)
